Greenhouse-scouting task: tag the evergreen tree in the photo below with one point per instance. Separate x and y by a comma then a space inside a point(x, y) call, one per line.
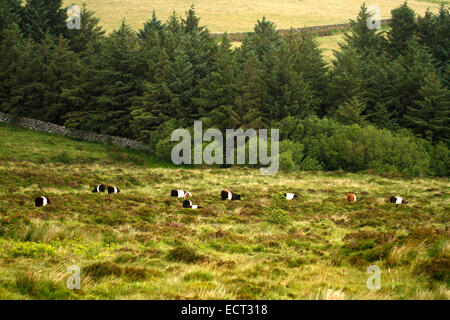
point(364, 40)
point(351, 112)
point(10, 13)
point(346, 78)
point(44, 17)
point(414, 67)
point(307, 59)
point(116, 73)
point(403, 26)
point(192, 23)
point(288, 93)
point(433, 31)
point(264, 39)
point(430, 116)
point(151, 27)
point(37, 78)
point(90, 34)
point(220, 87)
point(10, 50)
point(168, 96)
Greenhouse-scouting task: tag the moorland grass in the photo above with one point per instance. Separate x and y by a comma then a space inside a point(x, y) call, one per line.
point(241, 15)
point(141, 243)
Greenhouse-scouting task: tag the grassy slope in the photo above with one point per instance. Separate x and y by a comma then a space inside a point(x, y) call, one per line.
point(140, 244)
point(241, 16)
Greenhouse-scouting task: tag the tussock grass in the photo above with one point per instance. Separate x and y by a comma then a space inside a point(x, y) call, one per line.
point(141, 243)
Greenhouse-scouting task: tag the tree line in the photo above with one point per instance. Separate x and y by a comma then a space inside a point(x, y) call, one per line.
point(382, 104)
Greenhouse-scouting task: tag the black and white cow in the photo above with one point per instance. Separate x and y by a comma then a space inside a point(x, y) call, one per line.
point(188, 205)
point(290, 196)
point(228, 195)
point(397, 200)
point(99, 188)
point(180, 194)
point(113, 190)
point(41, 201)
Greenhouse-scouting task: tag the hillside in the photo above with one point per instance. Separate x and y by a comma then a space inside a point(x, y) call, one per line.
point(241, 16)
point(141, 244)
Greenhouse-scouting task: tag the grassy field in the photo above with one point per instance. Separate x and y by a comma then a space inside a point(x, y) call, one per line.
point(241, 16)
point(140, 244)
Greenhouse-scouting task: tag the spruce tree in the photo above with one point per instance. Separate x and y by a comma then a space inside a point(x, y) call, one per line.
point(351, 112)
point(403, 27)
point(151, 27)
point(10, 13)
point(364, 40)
point(37, 78)
point(430, 116)
point(90, 34)
point(44, 17)
point(116, 72)
point(307, 59)
point(220, 87)
point(10, 50)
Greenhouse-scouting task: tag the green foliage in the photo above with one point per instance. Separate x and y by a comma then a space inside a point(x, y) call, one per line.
point(350, 112)
point(32, 250)
point(430, 116)
point(403, 27)
point(148, 83)
point(44, 17)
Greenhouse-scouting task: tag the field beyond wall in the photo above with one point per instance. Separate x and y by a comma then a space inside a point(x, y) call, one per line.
point(140, 243)
point(241, 15)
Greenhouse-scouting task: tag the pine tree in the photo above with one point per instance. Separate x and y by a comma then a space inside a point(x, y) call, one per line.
point(403, 27)
point(366, 41)
point(151, 27)
point(116, 72)
point(10, 13)
point(168, 96)
point(346, 79)
point(90, 34)
point(44, 17)
point(192, 23)
point(351, 112)
point(264, 39)
point(37, 78)
point(414, 67)
point(288, 94)
point(220, 87)
point(10, 50)
point(430, 116)
point(433, 31)
point(307, 59)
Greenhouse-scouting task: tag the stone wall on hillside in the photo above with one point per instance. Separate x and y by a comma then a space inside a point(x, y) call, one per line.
point(320, 30)
point(72, 133)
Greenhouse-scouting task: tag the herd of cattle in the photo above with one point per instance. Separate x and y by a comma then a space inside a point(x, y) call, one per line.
point(43, 201)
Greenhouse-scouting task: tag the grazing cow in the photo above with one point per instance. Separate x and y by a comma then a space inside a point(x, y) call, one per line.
point(228, 195)
point(99, 188)
point(41, 201)
point(180, 194)
point(188, 205)
point(113, 190)
point(397, 200)
point(351, 197)
point(290, 196)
